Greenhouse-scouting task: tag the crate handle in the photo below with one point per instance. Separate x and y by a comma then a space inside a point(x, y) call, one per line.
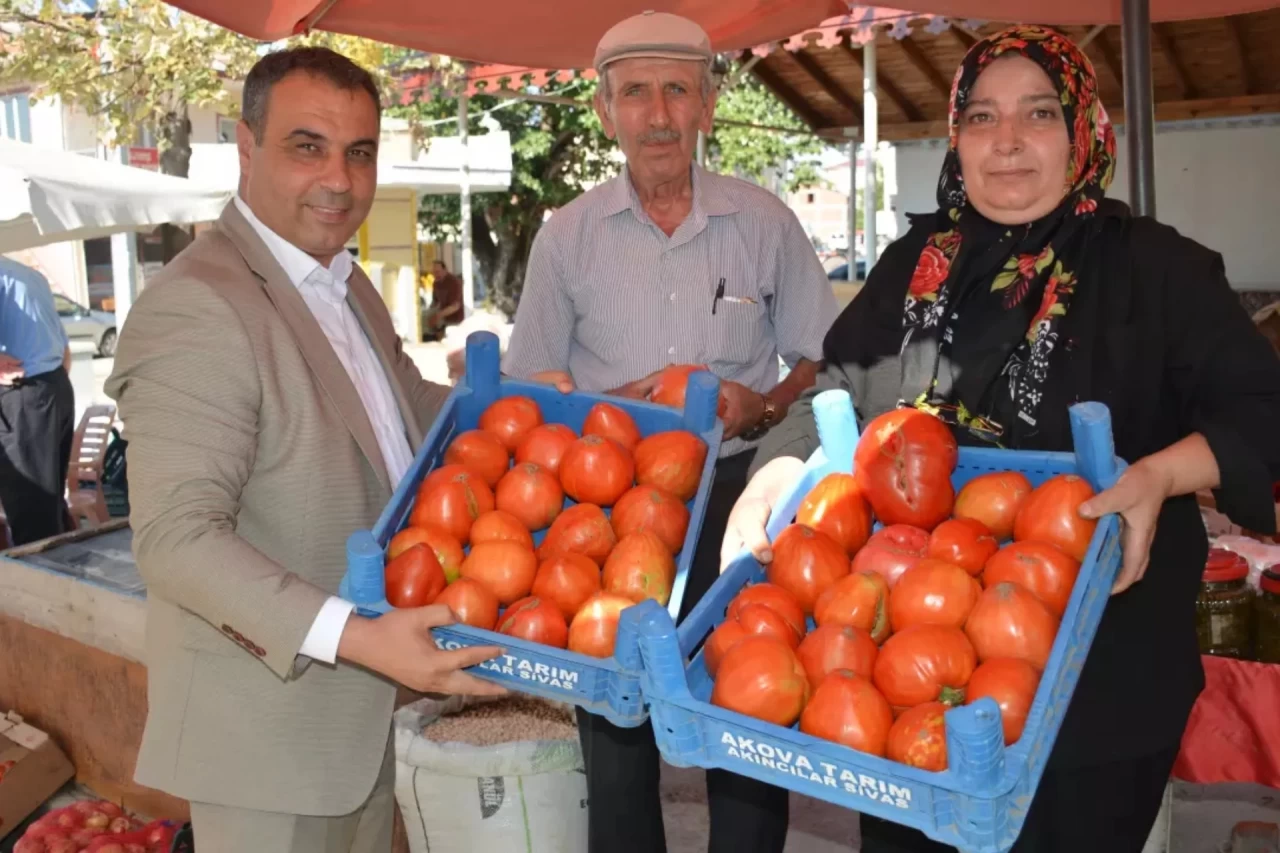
point(837, 427)
point(483, 368)
point(663, 665)
point(1095, 447)
point(366, 583)
point(701, 401)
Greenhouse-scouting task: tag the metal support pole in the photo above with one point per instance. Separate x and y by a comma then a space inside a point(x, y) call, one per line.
point(124, 263)
point(871, 141)
point(468, 271)
point(1139, 111)
point(702, 149)
point(853, 204)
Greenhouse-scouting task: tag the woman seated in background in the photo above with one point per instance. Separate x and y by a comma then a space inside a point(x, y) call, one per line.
point(1026, 292)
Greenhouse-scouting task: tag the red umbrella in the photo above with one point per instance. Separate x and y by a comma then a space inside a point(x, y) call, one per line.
point(1084, 11)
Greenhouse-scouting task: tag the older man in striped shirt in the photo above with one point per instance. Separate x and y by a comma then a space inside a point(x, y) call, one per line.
point(670, 264)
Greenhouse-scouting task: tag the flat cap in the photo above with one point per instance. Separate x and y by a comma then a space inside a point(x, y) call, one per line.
point(657, 35)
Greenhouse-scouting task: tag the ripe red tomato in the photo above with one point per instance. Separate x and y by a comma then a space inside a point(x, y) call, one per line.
point(837, 508)
point(532, 494)
point(1012, 684)
point(847, 709)
point(672, 461)
point(537, 621)
point(471, 602)
point(594, 628)
point(500, 526)
point(480, 451)
point(762, 678)
point(650, 508)
point(445, 473)
point(775, 598)
point(567, 581)
point(833, 647)
point(925, 663)
point(511, 419)
point(415, 578)
point(1010, 622)
point(453, 505)
point(724, 637)
point(891, 551)
point(640, 567)
point(993, 499)
point(673, 384)
point(765, 621)
point(1051, 514)
point(545, 445)
point(506, 568)
point(806, 562)
point(446, 546)
point(860, 600)
point(933, 593)
point(964, 542)
point(903, 465)
point(919, 738)
point(609, 421)
point(1041, 568)
point(596, 470)
point(580, 529)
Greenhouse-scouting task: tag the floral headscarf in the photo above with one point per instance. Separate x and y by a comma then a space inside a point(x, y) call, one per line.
point(1019, 267)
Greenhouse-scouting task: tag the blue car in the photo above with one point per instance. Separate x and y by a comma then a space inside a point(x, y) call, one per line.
point(841, 273)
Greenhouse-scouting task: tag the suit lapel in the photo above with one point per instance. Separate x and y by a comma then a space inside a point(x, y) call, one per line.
point(311, 339)
point(363, 298)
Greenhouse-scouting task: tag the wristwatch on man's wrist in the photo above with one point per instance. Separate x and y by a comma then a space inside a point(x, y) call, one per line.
point(767, 420)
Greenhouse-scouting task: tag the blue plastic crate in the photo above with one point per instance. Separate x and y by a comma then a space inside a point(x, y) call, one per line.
point(980, 802)
point(611, 686)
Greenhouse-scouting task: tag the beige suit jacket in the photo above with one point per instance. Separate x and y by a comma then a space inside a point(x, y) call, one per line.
point(251, 459)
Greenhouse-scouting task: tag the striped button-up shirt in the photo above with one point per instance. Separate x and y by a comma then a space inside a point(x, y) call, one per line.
point(610, 298)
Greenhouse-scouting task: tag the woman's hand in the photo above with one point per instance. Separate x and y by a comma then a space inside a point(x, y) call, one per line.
point(1137, 497)
point(751, 513)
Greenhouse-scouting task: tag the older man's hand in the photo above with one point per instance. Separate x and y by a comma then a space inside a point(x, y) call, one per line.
point(11, 369)
point(563, 381)
point(743, 408)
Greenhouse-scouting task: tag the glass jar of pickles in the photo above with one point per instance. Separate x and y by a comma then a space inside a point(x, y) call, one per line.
point(1267, 622)
point(1224, 608)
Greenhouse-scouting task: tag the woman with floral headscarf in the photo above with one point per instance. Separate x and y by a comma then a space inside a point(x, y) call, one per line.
point(1028, 291)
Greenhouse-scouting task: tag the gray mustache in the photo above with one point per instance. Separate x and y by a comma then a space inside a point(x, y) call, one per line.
point(660, 137)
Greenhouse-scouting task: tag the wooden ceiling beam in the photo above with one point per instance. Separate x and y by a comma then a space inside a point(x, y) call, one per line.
point(828, 84)
point(927, 68)
point(1111, 59)
point(789, 96)
point(966, 41)
point(1235, 31)
point(1164, 40)
point(886, 85)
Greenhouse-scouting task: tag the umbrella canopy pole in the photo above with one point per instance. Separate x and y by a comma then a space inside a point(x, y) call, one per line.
point(870, 126)
point(124, 264)
point(1139, 113)
point(852, 254)
point(468, 271)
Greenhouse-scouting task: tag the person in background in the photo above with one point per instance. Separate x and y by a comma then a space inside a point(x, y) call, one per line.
point(665, 264)
point(37, 405)
point(270, 412)
point(446, 302)
point(1026, 292)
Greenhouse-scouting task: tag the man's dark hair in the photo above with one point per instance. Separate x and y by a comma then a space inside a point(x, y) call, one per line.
point(442, 264)
point(318, 61)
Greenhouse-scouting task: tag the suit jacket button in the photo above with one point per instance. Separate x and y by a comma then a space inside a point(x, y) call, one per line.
point(226, 629)
point(260, 651)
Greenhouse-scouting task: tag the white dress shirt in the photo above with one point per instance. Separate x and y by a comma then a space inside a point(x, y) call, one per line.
point(324, 289)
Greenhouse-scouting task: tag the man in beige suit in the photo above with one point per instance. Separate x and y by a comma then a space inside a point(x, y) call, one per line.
point(270, 411)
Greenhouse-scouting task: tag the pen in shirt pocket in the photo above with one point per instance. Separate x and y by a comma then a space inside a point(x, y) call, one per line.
point(720, 297)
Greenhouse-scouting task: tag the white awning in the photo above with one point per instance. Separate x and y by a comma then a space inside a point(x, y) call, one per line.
point(49, 196)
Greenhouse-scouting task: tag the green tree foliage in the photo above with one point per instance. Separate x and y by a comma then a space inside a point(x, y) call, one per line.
point(754, 154)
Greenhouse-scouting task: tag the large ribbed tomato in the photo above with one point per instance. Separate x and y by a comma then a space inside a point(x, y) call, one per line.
point(545, 445)
point(933, 593)
point(919, 737)
point(446, 546)
point(481, 451)
point(762, 678)
point(1040, 567)
point(414, 578)
point(672, 461)
point(1012, 684)
point(610, 421)
point(580, 529)
point(471, 602)
point(891, 551)
point(775, 598)
point(537, 621)
point(833, 647)
point(511, 419)
point(1010, 622)
point(594, 628)
point(567, 581)
point(965, 542)
point(532, 494)
point(994, 499)
point(726, 635)
point(860, 600)
point(836, 507)
point(1051, 513)
point(650, 508)
point(445, 473)
point(846, 708)
point(764, 620)
point(506, 568)
point(640, 567)
point(501, 526)
point(673, 385)
point(925, 663)
point(597, 470)
point(805, 563)
point(453, 504)
point(903, 465)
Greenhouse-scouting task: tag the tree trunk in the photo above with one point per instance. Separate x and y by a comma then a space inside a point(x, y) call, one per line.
point(175, 159)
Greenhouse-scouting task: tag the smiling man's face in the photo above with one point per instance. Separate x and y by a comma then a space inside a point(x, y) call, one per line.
point(313, 176)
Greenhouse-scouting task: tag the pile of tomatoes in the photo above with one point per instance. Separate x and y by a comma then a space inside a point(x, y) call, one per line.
point(929, 612)
point(469, 543)
point(94, 826)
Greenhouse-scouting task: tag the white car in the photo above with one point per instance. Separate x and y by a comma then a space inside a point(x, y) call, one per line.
point(82, 323)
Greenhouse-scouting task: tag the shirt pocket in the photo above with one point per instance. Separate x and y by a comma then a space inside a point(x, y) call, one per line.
point(739, 330)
